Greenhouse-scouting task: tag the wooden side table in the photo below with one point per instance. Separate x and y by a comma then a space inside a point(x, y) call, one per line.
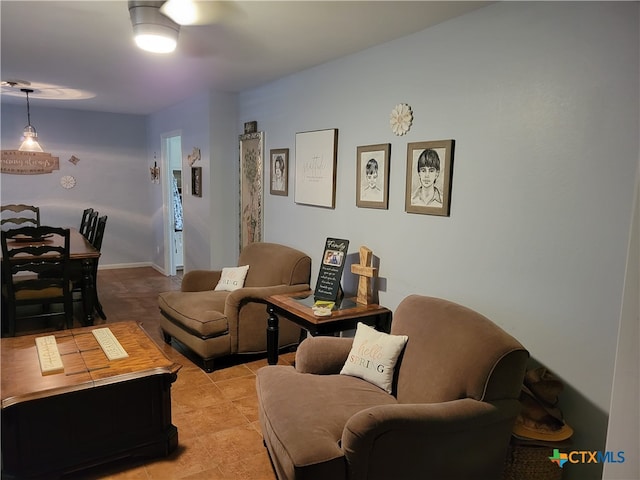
point(296, 307)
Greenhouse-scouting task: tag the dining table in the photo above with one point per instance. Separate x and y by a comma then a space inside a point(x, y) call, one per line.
point(80, 252)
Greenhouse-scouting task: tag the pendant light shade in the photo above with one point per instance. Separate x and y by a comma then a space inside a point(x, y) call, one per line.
point(153, 31)
point(30, 137)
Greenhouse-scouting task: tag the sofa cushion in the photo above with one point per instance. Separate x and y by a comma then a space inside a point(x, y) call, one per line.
point(303, 417)
point(373, 356)
point(232, 278)
point(201, 313)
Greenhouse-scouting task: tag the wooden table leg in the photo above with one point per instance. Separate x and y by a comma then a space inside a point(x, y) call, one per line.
point(272, 336)
point(87, 292)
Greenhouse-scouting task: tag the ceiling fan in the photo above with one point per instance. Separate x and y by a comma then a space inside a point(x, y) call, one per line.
point(156, 24)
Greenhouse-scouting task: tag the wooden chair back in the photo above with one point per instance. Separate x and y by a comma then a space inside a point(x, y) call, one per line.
point(28, 252)
point(99, 233)
point(84, 222)
point(90, 228)
point(19, 215)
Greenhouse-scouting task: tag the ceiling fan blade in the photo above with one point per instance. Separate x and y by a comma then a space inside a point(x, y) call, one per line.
point(198, 12)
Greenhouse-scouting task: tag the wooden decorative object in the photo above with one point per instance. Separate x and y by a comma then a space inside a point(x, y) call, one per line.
point(251, 188)
point(366, 273)
point(16, 162)
point(194, 156)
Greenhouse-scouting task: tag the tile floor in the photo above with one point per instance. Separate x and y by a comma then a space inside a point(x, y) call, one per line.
point(215, 413)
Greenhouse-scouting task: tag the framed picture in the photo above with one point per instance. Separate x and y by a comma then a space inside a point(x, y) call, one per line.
point(372, 176)
point(251, 214)
point(316, 160)
point(250, 127)
point(196, 181)
point(279, 169)
point(429, 173)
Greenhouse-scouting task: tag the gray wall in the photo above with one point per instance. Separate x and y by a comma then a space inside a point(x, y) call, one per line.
point(206, 121)
point(542, 100)
point(111, 177)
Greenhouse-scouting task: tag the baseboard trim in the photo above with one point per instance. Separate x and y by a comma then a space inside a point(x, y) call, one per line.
point(113, 266)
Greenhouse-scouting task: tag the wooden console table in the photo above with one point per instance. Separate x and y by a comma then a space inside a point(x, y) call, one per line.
point(95, 411)
point(296, 307)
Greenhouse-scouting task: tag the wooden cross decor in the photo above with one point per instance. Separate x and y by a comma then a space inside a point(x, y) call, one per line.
point(366, 272)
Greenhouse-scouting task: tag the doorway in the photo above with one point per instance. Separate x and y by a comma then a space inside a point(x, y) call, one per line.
point(172, 199)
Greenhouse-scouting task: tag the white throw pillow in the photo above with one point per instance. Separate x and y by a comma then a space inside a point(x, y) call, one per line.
point(373, 356)
point(232, 278)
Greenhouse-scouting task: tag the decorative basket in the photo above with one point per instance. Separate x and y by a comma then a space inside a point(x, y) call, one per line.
point(526, 462)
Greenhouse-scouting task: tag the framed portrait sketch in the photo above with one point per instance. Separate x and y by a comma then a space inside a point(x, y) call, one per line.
point(196, 181)
point(251, 214)
point(429, 173)
point(316, 159)
point(372, 176)
point(279, 168)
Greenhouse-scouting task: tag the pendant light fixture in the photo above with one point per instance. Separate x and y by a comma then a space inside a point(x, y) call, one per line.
point(153, 31)
point(30, 137)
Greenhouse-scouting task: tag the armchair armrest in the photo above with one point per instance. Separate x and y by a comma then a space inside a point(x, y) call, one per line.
point(322, 355)
point(461, 439)
point(200, 280)
point(259, 294)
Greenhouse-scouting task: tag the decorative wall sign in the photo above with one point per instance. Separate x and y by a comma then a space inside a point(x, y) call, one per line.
point(316, 159)
point(28, 163)
point(429, 173)
point(74, 159)
point(372, 176)
point(279, 169)
point(251, 215)
point(328, 284)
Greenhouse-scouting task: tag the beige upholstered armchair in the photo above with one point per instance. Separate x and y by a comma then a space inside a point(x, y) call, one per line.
point(219, 323)
point(453, 403)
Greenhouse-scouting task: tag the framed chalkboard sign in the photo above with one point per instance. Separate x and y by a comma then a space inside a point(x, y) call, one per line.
point(333, 260)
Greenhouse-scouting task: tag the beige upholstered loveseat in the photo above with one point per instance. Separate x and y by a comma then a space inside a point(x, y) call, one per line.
point(219, 323)
point(450, 414)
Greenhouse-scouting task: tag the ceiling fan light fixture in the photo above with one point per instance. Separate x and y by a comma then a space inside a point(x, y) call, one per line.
point(183, 12)
point(155, 39)
point(153, 31)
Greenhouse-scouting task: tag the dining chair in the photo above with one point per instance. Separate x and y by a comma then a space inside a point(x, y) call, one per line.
point(90, 226)
point(84, 221)
point(96, 241)
point(27, 252)
point(17, 215)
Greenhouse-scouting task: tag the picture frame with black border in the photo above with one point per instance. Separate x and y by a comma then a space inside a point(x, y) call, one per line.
point(279, 171)
point(196, 181)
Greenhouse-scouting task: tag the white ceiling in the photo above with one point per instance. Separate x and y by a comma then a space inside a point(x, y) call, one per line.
point(85, 49)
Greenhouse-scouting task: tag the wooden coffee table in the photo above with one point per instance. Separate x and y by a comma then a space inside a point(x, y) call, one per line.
point(296, 307)
point(95, 411)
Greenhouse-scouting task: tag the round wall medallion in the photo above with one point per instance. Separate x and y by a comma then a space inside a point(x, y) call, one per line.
point(68, 181)
point(401, 118)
